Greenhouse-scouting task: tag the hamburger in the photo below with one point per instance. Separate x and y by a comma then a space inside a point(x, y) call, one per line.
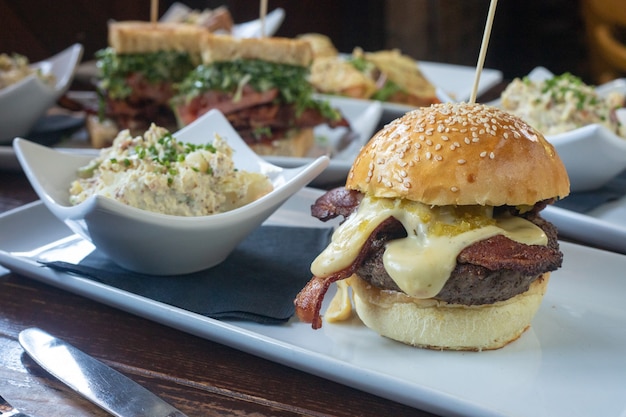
point(138, 72)
point(443, 243)
point(261, 86)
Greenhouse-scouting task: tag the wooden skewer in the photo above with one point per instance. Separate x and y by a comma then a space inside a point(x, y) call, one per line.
point(154, 11)
point(262, 14)
point(483, 49)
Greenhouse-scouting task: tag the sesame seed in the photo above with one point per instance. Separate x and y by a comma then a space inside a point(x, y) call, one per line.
point(467, 141)
point(461, 161)
point(428, 155)
point(429, 142)
point(438, 146)
point(438, 157)
point(483, 154)
point(492, 155)
point(454, 189)
point(445, 138)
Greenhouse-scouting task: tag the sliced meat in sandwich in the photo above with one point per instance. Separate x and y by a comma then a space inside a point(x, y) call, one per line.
point(261, 86)
point(139, 69)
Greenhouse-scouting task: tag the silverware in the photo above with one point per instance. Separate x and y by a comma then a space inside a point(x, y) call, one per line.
point(99, 383)
point(7, 410)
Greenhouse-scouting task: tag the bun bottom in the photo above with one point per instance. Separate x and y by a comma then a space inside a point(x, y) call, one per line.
point(438, 325)
point(297, 144)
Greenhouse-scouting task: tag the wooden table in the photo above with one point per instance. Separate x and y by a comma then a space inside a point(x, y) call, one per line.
point(199, 377)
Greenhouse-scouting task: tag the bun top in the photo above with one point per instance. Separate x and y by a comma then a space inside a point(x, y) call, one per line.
point(460, 154)
point(222, 48)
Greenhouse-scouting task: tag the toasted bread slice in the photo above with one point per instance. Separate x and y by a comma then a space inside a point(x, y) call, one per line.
point(223, 48)
point(132, 37)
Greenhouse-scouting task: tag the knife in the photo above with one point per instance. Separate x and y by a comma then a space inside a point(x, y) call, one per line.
point(99, 383)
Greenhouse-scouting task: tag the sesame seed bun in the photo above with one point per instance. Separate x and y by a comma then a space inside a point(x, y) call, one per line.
point(460, 154)
point(437, 325)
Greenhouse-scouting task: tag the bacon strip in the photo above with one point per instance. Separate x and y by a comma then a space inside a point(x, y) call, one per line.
point(308, 302)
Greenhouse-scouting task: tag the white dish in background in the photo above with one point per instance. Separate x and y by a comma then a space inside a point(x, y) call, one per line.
point(577, 336)
point(457, 81)
point(22, 104)
point(251, 29)
point(154, 243)
point(364, 117)
point(592, 154)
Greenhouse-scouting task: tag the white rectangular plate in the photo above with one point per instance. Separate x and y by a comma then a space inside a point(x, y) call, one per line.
point(604, 226)
point(570, 363)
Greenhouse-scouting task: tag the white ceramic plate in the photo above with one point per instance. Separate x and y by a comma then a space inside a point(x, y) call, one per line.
point(23, 103)
point(570, 363)
point(592, 154)
point(364, 117)
point(154, 243)
point(604, 226)
point(251, 29)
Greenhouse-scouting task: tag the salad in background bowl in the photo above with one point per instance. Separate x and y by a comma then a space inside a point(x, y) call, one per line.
point(586, 124)
point(24, 102)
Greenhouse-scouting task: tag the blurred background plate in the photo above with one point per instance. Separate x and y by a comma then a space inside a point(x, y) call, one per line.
point(340, 144)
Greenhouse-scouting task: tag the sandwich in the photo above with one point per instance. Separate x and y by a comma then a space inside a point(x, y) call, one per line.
point(137, 75)
point(261, 86)
point(442, 244)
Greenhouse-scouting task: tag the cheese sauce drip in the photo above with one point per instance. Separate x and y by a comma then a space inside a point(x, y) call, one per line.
point(421, 263)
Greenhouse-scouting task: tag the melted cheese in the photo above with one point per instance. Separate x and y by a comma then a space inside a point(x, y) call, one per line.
point(422, 262)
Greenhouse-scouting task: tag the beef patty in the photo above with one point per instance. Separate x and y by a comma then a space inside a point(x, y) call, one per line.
point(491, 270)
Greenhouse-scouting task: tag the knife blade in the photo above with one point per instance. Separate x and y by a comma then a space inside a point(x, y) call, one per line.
point(99, 383)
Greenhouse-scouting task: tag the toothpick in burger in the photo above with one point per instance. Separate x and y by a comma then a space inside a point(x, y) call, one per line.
point(443, 243)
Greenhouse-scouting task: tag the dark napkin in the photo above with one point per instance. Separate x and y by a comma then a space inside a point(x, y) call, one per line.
point(583, 202)
point(257, 282)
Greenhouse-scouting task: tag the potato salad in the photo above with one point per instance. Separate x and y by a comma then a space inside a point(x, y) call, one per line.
point(561, 104)
point(15, 67)
point(155, 172)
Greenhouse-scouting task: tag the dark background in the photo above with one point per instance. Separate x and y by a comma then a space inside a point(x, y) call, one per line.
point(525, 34)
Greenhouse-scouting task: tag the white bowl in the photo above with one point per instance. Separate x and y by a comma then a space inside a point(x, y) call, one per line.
point(25, 102)
point(251, 29)
point(154, 243)
point(593, 155)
